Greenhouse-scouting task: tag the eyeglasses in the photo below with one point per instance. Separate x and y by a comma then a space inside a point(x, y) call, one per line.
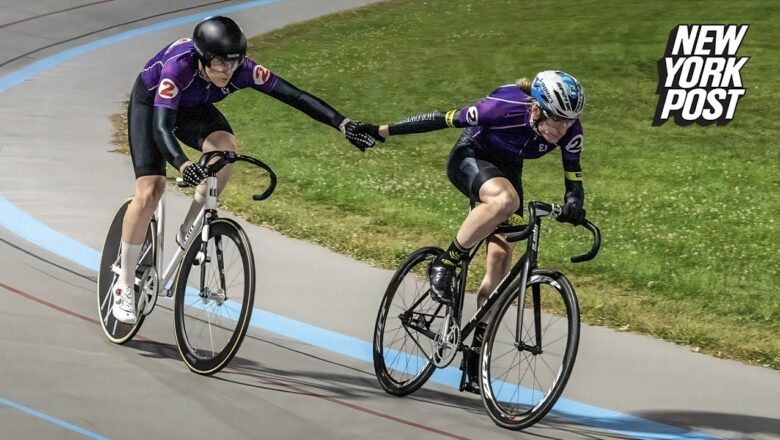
point(557, 119)
point(224, 66)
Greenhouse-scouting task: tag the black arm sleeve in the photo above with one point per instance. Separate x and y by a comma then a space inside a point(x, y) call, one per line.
point(164, 120)
point(575, 192)
point(419, 124)
point(311, 105)
point(427, 122)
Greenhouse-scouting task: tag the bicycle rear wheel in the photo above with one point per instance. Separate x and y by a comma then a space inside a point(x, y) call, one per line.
point(522, 377)
point(214, 298)
point(406, 327)
point(118, 332)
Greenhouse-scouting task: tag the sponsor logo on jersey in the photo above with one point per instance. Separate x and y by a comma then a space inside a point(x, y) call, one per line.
point(167, 89)
point(261, 75)
point(472, 115)
point(574, 145)
point(699, 78)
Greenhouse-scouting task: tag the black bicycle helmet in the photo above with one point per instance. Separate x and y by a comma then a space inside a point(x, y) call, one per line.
point(219, 37)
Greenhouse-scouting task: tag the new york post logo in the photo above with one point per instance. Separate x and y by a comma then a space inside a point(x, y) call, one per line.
point(698, 78)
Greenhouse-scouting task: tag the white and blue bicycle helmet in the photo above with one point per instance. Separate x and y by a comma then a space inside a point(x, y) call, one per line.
point(558, 94)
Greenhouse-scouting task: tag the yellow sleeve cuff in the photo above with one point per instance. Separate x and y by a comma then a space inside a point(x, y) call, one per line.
point(449, 118)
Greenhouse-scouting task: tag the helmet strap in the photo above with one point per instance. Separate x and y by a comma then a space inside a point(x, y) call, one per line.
point(202, 70)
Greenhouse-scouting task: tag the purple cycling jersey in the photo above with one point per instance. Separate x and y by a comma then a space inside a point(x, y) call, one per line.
point(174, 76)
point(501, 123)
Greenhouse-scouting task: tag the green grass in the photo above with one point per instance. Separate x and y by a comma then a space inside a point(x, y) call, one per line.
point(688, 214)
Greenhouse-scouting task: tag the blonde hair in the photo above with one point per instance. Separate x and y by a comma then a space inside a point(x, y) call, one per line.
point(524, 84)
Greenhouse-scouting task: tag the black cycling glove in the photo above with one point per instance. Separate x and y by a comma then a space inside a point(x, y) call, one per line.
point(361, 140)
point(193, 174)
point(369, 129)
point(572, 213)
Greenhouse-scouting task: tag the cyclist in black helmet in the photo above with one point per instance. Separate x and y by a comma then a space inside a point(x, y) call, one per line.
point(173, 100)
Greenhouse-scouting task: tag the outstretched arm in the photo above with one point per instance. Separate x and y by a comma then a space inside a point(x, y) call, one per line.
point(319, 110)
point(313, 106)
point(421, 123)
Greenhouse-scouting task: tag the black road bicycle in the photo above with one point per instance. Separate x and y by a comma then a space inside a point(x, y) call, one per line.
point(531, 340)
point(213, 272)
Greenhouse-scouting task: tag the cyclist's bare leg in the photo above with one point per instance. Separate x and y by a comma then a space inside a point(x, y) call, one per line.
point(499, 262)
point(148, 191)
point(499, 202)
point(219, 141)
point(216, 141)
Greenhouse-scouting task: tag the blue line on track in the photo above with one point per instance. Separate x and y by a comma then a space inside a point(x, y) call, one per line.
point(50, 419)
point(27, 227)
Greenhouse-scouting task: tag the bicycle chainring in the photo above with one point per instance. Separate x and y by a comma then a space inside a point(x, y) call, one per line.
point(446, 345)
point(148, 290)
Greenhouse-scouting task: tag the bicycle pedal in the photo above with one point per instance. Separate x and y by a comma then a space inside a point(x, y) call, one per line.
point(470, 387)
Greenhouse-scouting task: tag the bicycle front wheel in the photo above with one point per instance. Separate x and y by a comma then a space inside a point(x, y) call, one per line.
point(214, 298)
point(406, 327)
point(529, 350)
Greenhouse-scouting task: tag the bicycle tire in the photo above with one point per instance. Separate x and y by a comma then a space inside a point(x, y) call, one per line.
point(498, 402)
point(423, 369)
point(115, 331)
point(210, 360)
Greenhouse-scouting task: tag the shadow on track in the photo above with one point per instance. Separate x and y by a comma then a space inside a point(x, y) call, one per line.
point(353, 385)
point(750, 426)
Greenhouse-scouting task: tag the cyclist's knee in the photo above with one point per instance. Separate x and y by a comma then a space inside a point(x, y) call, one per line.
point(498, 255)
point(219, 141)
point(504, 203)
point(149, 190)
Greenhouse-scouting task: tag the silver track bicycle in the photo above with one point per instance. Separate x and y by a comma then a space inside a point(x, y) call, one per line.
point(211, 277)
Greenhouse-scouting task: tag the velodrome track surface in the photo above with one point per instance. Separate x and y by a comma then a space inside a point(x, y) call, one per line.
point(305, 372)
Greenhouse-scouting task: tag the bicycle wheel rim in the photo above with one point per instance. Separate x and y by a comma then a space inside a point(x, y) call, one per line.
point(401, 364)
point(210, 318)
point(519, 386)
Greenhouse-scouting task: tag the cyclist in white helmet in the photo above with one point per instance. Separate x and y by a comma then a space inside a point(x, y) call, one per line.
point(525, 120)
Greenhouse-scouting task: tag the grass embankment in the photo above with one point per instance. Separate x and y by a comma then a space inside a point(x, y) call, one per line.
point(689, 215)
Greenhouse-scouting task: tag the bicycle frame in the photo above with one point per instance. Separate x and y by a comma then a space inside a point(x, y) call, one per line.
point(522, 268)
point(204, 217)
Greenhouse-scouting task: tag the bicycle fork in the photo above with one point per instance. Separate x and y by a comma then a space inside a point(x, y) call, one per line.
point(210, 213)
point(535, 297)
